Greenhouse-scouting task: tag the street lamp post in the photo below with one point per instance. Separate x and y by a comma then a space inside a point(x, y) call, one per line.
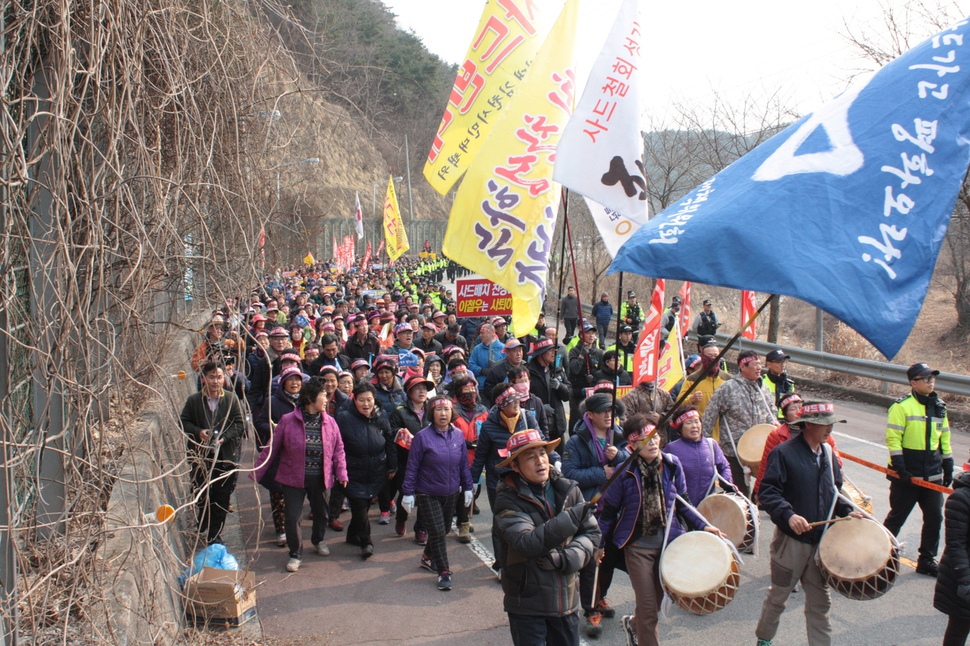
point(373, 188)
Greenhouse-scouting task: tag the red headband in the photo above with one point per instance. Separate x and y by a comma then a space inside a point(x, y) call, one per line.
point(747, 360)
point(788, 399)
point(441, 403)
point(639, 435)
point(683, 417)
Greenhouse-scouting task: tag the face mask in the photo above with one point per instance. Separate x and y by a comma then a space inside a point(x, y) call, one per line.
point(522, 388)
point(467, 399)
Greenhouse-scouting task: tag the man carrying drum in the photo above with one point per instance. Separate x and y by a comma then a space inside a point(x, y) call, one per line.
point(796, 494)
point(739, 404)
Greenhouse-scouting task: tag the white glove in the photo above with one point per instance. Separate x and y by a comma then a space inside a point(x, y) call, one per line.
point(558, 465)
point(469, 497)
point(408, 503)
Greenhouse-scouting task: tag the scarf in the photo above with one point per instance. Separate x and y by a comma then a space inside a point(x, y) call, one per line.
point(510, 422)
point(653, 514)
point(594, 440)
point(706, 361)
point(290, 397)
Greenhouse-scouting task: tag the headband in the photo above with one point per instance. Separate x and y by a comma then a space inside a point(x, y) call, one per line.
point(747, 360)
point(441, 403)
point(683, 417)
point(639, 435)
point(817, 409)
point(507, 396)
point(789, 399)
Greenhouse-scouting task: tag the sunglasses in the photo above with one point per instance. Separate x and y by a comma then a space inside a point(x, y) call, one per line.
point(927, 378)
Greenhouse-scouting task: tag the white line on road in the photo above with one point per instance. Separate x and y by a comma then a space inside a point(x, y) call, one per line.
point(859, 439)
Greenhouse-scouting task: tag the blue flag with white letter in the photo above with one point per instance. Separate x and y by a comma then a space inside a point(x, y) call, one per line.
point(845, 209)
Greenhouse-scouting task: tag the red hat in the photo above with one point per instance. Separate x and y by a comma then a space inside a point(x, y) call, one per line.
point(416, 380)
point(290, 371)
point(498, 320)
point(541, 346)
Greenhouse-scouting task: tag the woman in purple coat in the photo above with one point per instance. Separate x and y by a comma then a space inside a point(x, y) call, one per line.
point(700, 457)
point(638, 517)
point(437, 474)
point(310, 455)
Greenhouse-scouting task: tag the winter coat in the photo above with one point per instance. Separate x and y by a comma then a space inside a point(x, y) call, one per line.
point(603, 312)
point(369, 445)
point(269, 415)
point(482, 358)
point(368, 349)
point(470, 423)
point(782, 434)
point(289, 447)
point(583, 362)
point(955, 563)
point(795, 483)
point(542, 548)
point(623, 503)
point(227, 420)
point(569, 307)
point(541, 382)
point(699, 461)
point(390, 398)
point(580, 463)
point(741, 403)
point(404, 417)
point(495, 434)
point(438, 464)
point(616, 377)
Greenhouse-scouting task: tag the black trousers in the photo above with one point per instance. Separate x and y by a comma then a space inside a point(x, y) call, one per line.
point(956, 632)
point(435, 513)
point(570, 326)
point(588, 574)
point(216, 485)
point(336, 504)
point(313, 490)
point(903, 496)
point(358, 533)
point(528, 630)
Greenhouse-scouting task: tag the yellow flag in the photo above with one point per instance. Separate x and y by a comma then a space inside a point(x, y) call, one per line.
point(308, 259)
point(504, 214)
point(670, 370)
point(508, 36)
point(394, 233)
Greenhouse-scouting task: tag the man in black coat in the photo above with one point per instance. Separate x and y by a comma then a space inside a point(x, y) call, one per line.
point(800, 484)
point(548, 383)
point(213, 423)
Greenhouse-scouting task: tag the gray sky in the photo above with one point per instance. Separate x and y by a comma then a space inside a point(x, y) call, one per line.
point(700, 49)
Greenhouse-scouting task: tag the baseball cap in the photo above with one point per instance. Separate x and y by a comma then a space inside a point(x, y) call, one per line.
point(920, 370)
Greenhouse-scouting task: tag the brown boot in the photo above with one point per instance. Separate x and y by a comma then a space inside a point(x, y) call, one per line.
point(464, 535)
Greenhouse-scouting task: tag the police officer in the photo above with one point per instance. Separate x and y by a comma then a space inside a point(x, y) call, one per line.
point(630, 311)
point(776, 377)
point(706, 323)
point(918, 439)
point(625, 347)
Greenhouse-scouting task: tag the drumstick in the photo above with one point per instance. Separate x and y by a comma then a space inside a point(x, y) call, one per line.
point(828, 522)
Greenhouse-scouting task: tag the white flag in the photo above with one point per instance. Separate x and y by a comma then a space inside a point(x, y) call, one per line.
point(615, 229)
point(600, 154)
point(358, 217)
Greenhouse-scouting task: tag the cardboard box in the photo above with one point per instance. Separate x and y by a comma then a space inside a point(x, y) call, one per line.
point(217, 596)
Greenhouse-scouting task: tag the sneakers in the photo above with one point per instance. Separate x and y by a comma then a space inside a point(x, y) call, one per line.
point(281, 539)
point(393, 509)
point(421, 537)
point(322, 549)
point(631, 630)
point(444, 581)
point(366, 552)
point(593, 628)
point(336, 525)
point(604, 608)
point(400, 528)
point(385, 518)
point(928, 567)
point(293, 565)
point(426, 563)
point(464, 535)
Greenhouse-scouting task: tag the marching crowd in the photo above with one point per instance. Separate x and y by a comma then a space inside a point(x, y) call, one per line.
point(364, 387)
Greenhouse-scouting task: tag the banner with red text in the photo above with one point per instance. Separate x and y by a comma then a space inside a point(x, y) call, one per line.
point(645, 359)
point(394, 233)
point(670, 370)
point(684, 318)
point(508, 36)
point(481, 297)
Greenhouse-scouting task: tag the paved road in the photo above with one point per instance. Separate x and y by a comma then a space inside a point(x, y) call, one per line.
point(343, 600)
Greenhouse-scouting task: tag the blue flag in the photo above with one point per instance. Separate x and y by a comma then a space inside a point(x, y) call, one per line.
point(845, 209)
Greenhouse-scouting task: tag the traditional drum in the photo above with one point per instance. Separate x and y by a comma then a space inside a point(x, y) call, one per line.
point(751, 445)
point(858, 496)
point(700, 572)
point(858, 559)
point(731, 513)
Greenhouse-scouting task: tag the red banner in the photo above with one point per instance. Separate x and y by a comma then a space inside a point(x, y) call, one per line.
point(645, 359)
point(684, 319)
point(481, 297)
point(366, 260)
point(747, 311)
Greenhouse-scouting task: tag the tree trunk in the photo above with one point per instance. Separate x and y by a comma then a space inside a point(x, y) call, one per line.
point(774, 318)
point(962, 302)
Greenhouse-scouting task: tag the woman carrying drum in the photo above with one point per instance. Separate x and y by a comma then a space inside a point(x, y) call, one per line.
point(701, 457)
point(638, 518)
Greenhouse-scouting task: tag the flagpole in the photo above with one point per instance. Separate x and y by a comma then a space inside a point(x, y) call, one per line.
point(562, 259)
point(683, 397)
point(619, 300)
point(572, 258)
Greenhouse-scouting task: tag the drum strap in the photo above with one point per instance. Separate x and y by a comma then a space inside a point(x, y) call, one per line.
point(752, 510)
point(734, 448)
point(687, 504)
point(716, 476)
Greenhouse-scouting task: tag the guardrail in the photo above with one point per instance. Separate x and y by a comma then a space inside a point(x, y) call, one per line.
point(885, 372)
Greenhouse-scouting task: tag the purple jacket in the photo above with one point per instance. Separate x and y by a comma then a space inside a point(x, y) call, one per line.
point(438, 463)
point(699, 459)
point(289, 443)
point(622, 504)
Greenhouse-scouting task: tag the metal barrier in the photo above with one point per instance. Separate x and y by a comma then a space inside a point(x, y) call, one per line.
point(888, 372)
